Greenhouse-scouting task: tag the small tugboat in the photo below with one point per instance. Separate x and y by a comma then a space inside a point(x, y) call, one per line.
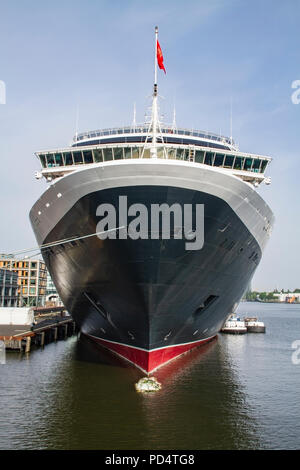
point(254, 326)
point(234, 325)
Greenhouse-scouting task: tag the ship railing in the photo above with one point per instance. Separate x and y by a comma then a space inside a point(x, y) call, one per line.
point(140, 129)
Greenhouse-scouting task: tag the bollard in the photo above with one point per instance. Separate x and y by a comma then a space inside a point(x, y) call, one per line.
point(66, 330)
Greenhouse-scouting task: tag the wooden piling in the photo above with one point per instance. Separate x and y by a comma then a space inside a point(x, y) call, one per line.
point(28, 343)
point(54, 333)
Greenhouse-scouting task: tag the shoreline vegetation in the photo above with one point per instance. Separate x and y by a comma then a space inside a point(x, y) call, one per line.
point(291, 297)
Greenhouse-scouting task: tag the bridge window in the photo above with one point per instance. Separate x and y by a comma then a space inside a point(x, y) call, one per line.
point(68, 158)
point(43, 160)
point(172, 154)
point(88, 156)
point(264, 165)
point(180, 154)
point(118, 153)
point(98, 155)
point(50, 160)
point(208, 158)
point(228, 161)
point(127, 152)
point(199, 156)
point(146, 153)
point(238, 164)
point(108, 155)
point(77, 157)
point(256, 165)
point(248, 164)
point(219, 159)
point(58, 159)
point(135, 152)
point(160, 153)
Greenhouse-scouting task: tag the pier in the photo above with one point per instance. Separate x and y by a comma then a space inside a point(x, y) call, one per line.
point(50, 324)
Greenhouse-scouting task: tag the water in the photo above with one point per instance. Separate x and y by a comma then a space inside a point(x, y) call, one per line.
point(239, 392)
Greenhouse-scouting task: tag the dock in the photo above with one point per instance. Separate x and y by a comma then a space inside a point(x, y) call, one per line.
point(51, 324)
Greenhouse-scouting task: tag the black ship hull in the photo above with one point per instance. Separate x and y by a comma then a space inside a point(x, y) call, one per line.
point(150, 300)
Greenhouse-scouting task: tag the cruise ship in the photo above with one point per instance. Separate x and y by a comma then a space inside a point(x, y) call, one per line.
point(151, 292)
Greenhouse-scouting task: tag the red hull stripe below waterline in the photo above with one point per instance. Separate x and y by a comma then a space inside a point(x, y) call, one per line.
point(148, 361)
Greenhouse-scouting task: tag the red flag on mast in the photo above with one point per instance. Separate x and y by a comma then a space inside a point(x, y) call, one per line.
point(160, 58)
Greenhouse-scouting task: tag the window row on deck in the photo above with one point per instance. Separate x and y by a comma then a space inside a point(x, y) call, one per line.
point(141, 139)
point(145, 130)
point(96, 155)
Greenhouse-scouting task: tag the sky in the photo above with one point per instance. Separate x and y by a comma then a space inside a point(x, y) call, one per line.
point(97, 56)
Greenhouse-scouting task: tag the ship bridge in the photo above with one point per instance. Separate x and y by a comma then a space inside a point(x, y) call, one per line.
point(125, 143)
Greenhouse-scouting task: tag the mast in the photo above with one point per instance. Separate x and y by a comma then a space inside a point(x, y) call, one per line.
point(154, 128)
point(154, 113)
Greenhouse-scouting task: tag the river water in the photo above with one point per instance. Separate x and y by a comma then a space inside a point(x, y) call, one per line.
point(238, 392)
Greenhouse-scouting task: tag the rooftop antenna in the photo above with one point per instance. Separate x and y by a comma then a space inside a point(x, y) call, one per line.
point(77, 121)
point(134, 116)
point(174, 126)
point(231, 140)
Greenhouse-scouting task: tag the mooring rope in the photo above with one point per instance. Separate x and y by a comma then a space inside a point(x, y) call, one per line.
point(61, 242)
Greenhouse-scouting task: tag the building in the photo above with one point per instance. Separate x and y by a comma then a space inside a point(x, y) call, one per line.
point(288, 297)
point(8, 288)
point(32, 278)
point(52, 297)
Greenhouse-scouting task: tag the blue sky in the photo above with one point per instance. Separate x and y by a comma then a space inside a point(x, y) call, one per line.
point(98, 55)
